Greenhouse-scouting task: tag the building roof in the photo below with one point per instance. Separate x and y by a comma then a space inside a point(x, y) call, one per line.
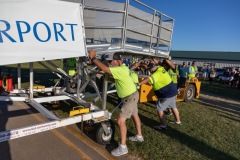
point(207, 55)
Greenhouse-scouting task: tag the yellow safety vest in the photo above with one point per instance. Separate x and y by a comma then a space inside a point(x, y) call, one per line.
point(173, 75)
point(160, 78)
point(192, 75)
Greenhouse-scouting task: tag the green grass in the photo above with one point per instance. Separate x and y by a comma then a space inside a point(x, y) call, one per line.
point(210, 130)
point(220, 90)
point(206, 133)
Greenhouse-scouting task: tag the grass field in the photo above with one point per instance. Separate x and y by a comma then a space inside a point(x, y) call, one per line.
point(210, 130)
point(210, 125)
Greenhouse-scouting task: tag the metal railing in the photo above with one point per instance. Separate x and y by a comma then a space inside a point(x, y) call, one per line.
point(109, 23)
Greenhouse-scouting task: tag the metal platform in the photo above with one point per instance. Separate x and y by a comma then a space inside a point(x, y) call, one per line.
point(113, 27)
point(108, 27)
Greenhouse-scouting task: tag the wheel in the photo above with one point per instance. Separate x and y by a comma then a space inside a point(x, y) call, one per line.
point(101, 137)
point(189, 93)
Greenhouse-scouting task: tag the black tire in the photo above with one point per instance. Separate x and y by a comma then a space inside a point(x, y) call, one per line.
point(189, 93)
point(101, 137)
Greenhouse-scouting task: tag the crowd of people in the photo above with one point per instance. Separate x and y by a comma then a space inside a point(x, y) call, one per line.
point(208, 73)
point(231, 76)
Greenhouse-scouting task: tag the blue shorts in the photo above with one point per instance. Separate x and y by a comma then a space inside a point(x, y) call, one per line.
point(164, 103)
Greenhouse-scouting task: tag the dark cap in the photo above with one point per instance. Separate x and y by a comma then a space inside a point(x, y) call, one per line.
point(151, 65)
point(112, 56)
point(164, 62)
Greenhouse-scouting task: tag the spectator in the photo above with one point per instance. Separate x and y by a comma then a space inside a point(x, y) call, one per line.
point(225, 77)
point(192, 70)
point(165, 91)
point(126, 89)
point(205, 72)
point(211, 76)
point(238, 81)
point(236, 78)
point(127, 62)
point(196, 71)
point(231, 77)
point(182, 75)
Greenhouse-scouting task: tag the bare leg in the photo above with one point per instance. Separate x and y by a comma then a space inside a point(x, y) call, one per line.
point(123, 129)
point(176, 114)
point(162, 118)
point(137, 122)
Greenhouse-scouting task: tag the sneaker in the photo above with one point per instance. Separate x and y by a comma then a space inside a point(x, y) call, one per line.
point(178, 123)
point(119, 151)
point(168, 113)
point(160, 127)
point(136, 139)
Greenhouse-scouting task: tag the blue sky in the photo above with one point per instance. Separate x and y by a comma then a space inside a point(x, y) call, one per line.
point(202, 25)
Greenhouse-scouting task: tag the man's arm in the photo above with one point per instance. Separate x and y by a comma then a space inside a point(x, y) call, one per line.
point(144, 81)
point(100, 65)
point(172, 66)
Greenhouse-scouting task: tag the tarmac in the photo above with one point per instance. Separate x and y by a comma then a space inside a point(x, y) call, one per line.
point(66, 143)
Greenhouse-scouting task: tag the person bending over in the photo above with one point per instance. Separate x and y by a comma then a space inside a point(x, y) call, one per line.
point(127, 91)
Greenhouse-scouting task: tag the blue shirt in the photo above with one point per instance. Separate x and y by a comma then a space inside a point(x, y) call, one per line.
point(183, 72)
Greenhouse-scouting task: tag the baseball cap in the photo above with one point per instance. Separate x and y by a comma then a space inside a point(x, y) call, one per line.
point(112, 56)
point(151, 65)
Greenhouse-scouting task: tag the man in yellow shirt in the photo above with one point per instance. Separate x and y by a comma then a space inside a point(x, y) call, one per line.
point(166, 92)
point(192, 70)
point(127, 91)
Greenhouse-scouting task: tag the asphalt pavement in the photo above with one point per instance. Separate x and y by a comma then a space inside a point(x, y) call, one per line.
point(66, 143)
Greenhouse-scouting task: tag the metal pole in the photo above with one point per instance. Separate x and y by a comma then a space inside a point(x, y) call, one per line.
point(104, 93)
point(152, 31)
point(79, 77)
point(171, 36)
point(31, 81)
point(125, 24)
point(19, 76)
point(159, 33)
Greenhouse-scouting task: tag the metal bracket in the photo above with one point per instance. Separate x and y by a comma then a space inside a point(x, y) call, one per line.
point(105, 128)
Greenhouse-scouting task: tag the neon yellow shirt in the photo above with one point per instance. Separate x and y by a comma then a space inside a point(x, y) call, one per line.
point(123, 81)
point(135, 78)
point(160, 78)
point(71, 66)
point(192, 71)
point(173, 75)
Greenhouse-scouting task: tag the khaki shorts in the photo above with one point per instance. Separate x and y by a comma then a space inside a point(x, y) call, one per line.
point(129, 106)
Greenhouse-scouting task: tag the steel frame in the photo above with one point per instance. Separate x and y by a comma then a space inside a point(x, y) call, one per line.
point(83, 73)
